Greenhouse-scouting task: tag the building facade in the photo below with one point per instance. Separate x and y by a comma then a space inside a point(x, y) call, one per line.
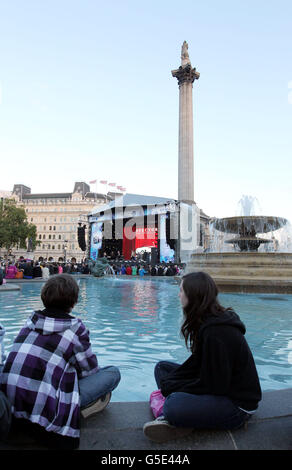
point(56, 216)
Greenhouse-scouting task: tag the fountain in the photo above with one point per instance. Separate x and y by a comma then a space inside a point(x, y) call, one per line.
point(247, 228)
point(101, 268)
point(247, 262)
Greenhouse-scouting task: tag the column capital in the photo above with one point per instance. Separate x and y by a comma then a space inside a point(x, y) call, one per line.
point(185, 74)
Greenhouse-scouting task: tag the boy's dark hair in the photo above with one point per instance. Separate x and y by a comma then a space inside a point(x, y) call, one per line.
point(61, 292)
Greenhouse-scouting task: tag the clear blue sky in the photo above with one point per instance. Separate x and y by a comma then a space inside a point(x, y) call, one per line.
point(87, 93)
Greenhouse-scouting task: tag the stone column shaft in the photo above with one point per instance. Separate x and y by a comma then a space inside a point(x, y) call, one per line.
point(185, 145)
point(185, 75)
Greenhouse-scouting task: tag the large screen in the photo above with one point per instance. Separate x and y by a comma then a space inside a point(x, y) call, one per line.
point(166, 253)
point(96, 239)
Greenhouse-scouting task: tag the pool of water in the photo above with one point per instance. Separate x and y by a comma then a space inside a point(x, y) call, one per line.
point(135, 322)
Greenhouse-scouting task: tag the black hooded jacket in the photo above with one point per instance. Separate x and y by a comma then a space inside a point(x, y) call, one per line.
point(221, 365)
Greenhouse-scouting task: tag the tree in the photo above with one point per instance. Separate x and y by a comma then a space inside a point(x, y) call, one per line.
point(14, 227)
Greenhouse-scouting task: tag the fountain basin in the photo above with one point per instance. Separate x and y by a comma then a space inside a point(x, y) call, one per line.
point(247, 228)
point(257, 223)
point(246, 272)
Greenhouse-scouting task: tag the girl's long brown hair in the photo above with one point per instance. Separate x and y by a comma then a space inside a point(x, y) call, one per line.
point(201, 292)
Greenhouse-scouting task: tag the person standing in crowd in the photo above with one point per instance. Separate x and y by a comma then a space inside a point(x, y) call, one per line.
point(160, 271)
point(37, 271)
point(1, 275)
point(129, 270)
point(85, 269)
point(19, 274)
point(55, 268)
point(45, 272)
point(21, 263)
point(218, 386)
point(51, 375)
point(154, 271)
point(10, 271)
point(170, 271)
point(28, 270)
point(141, 271)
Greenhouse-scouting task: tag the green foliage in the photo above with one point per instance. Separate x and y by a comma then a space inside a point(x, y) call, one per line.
point(14, 227)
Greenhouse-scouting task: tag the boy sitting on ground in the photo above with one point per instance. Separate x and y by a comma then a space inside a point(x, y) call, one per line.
point(51, 375)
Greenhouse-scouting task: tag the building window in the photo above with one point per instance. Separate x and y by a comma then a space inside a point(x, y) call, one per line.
point(44, 237)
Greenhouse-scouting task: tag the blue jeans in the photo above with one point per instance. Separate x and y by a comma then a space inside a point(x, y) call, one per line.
point(198, 411)
point(94, 386)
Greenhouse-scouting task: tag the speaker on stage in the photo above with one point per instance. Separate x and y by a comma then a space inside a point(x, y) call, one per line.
point(146, 257)
point(154, 256)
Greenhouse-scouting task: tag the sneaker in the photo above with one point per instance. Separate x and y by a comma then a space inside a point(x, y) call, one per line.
point(97, 406)
point(160, 431)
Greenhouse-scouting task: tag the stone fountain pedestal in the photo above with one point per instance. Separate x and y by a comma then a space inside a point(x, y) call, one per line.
point(246, 272)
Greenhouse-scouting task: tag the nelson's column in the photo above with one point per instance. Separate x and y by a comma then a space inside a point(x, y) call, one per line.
point(185, 75)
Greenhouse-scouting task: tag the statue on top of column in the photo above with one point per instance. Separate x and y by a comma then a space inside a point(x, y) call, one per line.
point(185, 59)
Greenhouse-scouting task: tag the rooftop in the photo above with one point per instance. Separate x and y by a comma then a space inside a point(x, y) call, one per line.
point(132, 200)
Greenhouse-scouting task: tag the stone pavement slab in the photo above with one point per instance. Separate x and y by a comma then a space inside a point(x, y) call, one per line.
point(119, 427)
point(9, 287)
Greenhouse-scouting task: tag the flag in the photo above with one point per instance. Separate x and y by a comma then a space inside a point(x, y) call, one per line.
point(92, 182)
point(103, 182)
point(112, 184)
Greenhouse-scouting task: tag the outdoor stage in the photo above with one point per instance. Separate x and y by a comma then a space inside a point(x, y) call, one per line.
point(133, 223)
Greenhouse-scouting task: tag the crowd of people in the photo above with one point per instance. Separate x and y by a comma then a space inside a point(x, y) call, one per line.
point(131, 268)
point(43, 268)
point(28, 269)
point(140, 264)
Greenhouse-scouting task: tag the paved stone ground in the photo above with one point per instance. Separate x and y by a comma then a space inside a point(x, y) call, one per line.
point(120, 427)
point(9, 287)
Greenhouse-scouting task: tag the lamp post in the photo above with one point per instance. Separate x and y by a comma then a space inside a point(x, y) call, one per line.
point(65, 250)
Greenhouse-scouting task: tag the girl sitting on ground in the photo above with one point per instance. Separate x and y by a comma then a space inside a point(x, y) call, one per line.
point(51, 372)
point(217, 387)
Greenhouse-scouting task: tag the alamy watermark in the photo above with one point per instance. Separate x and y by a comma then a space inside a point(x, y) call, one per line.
point(174, 222)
